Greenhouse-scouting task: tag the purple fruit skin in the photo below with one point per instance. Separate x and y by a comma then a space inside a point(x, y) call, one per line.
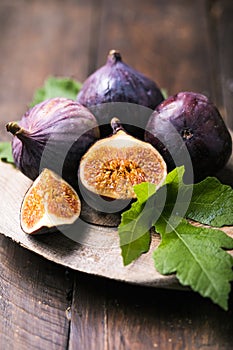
point(199, 123)
point(62, 122)
point(118, 82)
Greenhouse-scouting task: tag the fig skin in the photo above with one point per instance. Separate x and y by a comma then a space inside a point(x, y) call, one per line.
point(201, 128)
point(53, 134)
point(118, 82)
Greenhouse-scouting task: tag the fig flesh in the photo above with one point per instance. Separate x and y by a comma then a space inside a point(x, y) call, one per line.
point(53, 134)
point(112, 166)
point(118, 82)
point(195, 120)
point(49, 202)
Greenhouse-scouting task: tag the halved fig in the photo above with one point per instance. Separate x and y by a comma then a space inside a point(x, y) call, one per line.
point(112, 166)
point(49, 202)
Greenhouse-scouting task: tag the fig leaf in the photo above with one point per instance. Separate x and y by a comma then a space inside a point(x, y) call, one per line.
point(134, 230)
point(195, 255)
point(164, 93)
point(56, 87)
point(6, 152)
point(212, 203)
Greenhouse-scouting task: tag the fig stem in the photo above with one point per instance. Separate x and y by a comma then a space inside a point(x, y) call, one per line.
point(114, 56)
point(13, 127)
point(116, 125)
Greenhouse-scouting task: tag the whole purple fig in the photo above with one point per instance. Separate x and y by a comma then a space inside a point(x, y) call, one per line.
point(118, 82)
point(190, 119)
point(53, 134)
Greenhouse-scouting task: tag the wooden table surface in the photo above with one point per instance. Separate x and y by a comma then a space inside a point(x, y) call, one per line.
point(182, 45)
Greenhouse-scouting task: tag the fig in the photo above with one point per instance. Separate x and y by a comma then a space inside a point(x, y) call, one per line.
point(190, 121)
point(53, 134)
point(118, 82)
point(49, 202)
point(113, 165)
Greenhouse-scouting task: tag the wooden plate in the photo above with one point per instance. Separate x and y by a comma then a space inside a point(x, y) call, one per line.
point(97, 253)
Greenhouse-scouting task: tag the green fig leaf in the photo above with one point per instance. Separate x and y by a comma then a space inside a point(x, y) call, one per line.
point(195, 254)
point(134, 230)
point(56, 87)
point(6, 152)
point(212, 203)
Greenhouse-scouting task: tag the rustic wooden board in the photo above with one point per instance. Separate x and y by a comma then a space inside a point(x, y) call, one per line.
point(221, 12)
point(121, 316)
point(38, 39)
point(57, 247)
point(98, 253)
point(33, 300)
point(170, 42)
point(166, 40)
point(36, 42)
point(62, 250)
point(60, 37)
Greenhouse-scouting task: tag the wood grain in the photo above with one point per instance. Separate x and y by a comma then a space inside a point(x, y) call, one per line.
point(120, 316)
point(222, 12)
point(167, 41)
point(38, 39)
point(94, 250)
point(84, 247)
point(33, 300)
point(89, 314)
point(174, 44)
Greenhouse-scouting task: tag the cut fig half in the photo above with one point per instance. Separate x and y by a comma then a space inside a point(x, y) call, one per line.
point(49, 202)
point(112, 166)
